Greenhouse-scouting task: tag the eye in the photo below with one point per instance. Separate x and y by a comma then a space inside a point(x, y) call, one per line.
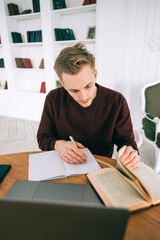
point(88, 86)
point(74, 91)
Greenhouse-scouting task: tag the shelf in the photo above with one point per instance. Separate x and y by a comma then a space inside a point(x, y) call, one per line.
point(3, 90)
point(79, 9)
point(27, 44)
point(22, 17)
point(29, 69)
point(75, 41)
point(90, 40)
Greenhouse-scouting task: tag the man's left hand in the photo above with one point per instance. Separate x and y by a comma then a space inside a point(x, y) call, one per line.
point(130, 158)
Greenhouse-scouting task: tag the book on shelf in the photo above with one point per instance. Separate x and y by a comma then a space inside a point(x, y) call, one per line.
point(23, 63)
point(36, 6)
point(70, 33)
point(16, 37)
point(49, 165)
point(13, 9)
point(87, 2)
point(59, 4)
point(64, 34)
point(27, 63)
point(2, 63)
point(19, 63)
point(0, 40)
point(91, 32)
point(38, 36)
point(5, 85)
point(43, 87)
point(34, 36)
point(120, 187)
point(27, 11)
point(41, 65)
point(30, 36)
point(58, 35)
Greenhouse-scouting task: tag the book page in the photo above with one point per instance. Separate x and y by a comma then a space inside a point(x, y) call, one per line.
point(123, 169)
point(46, 166)
point(150, 179)
point(116, 189)
point(90, 166)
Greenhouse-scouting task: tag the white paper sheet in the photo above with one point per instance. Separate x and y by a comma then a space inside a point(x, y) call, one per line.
point(49, 165)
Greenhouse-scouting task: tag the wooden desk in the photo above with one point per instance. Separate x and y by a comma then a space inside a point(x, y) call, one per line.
point(143, 225)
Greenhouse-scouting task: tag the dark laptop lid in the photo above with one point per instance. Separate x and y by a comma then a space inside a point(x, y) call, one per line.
point(53, 192)
point(22, 219)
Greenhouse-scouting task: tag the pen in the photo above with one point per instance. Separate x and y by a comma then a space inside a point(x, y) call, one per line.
point(72, 139)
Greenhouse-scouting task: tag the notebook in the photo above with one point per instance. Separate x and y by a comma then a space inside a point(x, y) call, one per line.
point(53, 192)
point(49, 165)
point(28, 219)
point(3, 171)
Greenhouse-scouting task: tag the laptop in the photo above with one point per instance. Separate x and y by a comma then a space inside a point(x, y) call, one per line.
point(43, 220)
point(54, 192)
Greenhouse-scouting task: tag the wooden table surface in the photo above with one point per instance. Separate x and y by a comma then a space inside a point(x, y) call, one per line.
point(144, 224)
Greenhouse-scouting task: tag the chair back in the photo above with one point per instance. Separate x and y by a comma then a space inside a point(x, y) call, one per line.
point(152, 103)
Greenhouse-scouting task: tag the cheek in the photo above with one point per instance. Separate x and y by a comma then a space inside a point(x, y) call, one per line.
point(74, 95)
point(92, 90)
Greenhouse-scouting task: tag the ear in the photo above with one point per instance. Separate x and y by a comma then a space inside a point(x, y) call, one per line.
point(95, 73)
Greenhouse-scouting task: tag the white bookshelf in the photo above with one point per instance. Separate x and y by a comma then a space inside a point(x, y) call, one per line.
point(23, 17)
point(34, 44)
point(24, 84)
point(79, 9)
point(72, 42)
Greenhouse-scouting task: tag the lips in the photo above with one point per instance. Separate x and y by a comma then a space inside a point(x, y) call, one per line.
point(85, 101)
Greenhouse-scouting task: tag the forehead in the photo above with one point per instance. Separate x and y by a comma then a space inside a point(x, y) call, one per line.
point(79, 80)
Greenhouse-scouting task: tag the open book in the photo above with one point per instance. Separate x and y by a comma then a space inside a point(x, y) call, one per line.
point(119, 187)
point(49, 165)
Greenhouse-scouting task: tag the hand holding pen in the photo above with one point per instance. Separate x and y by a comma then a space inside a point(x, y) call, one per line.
point(70, 151)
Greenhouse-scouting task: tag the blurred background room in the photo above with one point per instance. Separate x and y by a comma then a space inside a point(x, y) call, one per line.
point(124, 36)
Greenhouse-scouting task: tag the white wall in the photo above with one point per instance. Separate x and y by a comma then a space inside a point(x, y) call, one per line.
point(125, 60)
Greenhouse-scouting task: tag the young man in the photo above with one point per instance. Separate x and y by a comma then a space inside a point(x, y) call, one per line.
point(97, 117)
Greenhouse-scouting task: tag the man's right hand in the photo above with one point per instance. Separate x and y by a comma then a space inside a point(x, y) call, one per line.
point(70, 153)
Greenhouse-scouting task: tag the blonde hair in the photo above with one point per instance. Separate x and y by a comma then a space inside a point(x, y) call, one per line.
point(71, 59)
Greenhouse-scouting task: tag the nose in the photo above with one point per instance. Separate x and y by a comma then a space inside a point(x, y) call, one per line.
point(83, 95)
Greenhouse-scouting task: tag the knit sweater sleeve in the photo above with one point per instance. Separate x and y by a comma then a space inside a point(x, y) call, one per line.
point(123, 133)
point(47, 134)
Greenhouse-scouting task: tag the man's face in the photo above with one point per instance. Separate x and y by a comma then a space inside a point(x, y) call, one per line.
point(81, 86)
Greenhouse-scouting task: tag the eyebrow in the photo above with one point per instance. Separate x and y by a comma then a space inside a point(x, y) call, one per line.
point(78, 89)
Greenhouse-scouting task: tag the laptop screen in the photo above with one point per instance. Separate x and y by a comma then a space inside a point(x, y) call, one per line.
point(27, 219)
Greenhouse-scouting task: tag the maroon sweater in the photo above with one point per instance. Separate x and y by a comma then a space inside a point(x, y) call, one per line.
point(98, 127)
